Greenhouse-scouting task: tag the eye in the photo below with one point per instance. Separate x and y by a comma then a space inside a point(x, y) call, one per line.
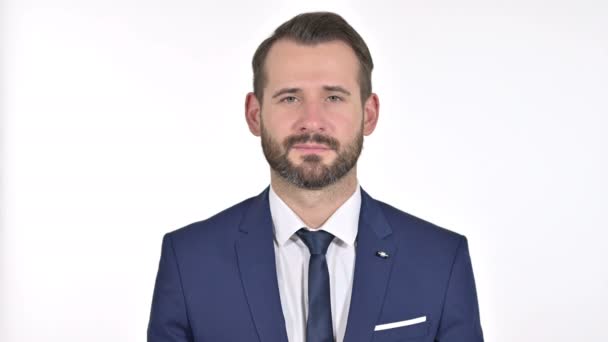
point(334, 98)
point(289, 99)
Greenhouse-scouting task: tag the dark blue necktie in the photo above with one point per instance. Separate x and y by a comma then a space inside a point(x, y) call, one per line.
point(318, 324)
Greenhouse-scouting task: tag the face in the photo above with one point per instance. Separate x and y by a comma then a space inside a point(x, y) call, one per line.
point(311, 119)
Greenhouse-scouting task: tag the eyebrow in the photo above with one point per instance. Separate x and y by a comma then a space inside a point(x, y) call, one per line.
point(282, 91)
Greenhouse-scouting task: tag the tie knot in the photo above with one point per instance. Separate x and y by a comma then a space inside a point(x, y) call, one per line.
point(317, 241)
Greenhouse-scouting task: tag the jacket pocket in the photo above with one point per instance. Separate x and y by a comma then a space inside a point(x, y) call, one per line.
point(401, 330)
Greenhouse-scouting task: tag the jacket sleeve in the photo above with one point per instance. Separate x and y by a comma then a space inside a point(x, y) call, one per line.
point(460, 317)
point(168, 315)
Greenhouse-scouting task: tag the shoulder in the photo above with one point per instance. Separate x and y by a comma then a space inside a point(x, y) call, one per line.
point(220, 226)
point(420, 234)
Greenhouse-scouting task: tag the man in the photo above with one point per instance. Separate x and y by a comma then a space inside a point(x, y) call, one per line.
point(313, 257)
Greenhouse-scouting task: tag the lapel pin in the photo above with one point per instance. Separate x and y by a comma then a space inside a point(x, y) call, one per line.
point(382, 254)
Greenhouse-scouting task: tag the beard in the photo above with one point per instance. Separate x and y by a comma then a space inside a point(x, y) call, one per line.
point(312, 173)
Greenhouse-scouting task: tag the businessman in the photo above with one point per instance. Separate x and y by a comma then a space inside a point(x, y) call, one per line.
point(313, 257)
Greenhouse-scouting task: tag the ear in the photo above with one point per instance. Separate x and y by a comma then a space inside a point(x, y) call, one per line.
point(371, 110)
point(252, 114)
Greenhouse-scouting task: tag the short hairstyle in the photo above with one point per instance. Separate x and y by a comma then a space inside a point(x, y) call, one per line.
point(310, 29)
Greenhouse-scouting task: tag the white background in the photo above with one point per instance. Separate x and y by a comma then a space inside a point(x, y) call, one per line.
point(123, 120)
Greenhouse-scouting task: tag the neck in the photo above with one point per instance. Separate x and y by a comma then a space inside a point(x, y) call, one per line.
point(314, 207)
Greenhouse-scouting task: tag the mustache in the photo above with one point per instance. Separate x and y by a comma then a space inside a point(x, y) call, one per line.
point(312, 138)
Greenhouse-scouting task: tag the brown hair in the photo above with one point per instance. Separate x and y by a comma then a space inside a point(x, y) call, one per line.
point(311, 29)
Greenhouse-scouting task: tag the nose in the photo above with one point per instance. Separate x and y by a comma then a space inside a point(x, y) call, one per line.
point(312, 118)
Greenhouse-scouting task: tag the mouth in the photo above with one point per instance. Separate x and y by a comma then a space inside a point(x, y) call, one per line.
point(311, 148)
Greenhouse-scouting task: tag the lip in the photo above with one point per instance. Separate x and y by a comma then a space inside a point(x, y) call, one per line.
point(311, 148)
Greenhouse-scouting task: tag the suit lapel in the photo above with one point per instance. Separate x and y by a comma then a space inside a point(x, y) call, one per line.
point(256, 260)
point(371, 271)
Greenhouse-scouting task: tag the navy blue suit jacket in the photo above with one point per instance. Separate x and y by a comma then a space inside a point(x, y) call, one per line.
point(217, 280)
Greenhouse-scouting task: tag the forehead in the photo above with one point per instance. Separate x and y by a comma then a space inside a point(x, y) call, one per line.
point(292, 64)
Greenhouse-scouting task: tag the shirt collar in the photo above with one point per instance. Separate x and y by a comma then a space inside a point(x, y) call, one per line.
point(343, 223)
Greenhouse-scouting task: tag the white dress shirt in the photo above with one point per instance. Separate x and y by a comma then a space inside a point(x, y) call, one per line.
point(292, 257)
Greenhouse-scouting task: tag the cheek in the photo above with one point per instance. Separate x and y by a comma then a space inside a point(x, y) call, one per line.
point(347, 115)
point(275, 122)
point(275, 132)
point(348, 126)
point(278, 133)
